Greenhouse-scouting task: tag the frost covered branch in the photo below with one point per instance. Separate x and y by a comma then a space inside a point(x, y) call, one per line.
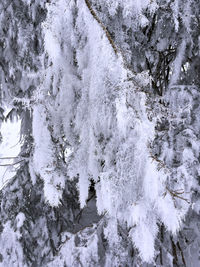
point(176, 194)
point(109, 122)
point(102, 26)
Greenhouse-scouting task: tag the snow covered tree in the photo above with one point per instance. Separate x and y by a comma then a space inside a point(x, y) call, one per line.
point(107, 92)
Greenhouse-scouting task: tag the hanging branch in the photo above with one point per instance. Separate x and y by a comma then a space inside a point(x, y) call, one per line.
point(102, 26)
point(161, 164)
point(117, 51)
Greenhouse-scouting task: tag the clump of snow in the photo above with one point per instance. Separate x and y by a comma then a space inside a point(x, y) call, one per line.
point(20, 218)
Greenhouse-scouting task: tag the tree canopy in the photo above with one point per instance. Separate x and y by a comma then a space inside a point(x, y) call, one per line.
point(107, 93)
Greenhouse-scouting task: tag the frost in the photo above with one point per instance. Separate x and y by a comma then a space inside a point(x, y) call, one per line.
point(78, 249)
point(9, 149)
point(177, 63)
point(107, 93)
point(104, 120)
point(20, 219)
point(11, 256)
point(44, 162)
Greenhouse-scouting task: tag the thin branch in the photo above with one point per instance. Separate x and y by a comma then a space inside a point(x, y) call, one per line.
point(176, 194)
point(102, 26)
point(11, 164)
point(9, 157)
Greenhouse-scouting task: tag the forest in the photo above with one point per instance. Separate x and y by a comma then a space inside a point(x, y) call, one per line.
point(100, 133)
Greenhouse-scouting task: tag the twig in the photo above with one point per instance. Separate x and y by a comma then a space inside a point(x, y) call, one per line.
point(9, 157)
point(176, 194)
point(11, 164)
point(161, 164)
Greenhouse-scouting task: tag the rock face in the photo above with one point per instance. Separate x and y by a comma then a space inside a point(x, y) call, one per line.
point(108, 97)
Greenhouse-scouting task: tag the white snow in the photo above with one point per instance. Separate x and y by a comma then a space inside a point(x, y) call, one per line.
point(9, 149)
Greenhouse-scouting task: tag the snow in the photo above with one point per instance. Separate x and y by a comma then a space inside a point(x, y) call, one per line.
point(9, 149)
point(44, 162)
point(11, 257)
point(90, 123)
point(104, 120)
point(177, 63)
point(20, 218)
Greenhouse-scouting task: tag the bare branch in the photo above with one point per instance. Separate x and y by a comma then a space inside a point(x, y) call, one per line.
point(11, 164)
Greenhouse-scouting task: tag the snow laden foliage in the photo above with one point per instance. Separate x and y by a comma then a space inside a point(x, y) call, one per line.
point(160, 36)
point(178, 132)
point(108, 97)
point(20, 44)
point(44, 162)
point(10, 256)
point(91, 105)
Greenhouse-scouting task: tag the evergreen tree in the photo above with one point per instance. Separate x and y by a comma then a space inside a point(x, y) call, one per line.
point(108, 93)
